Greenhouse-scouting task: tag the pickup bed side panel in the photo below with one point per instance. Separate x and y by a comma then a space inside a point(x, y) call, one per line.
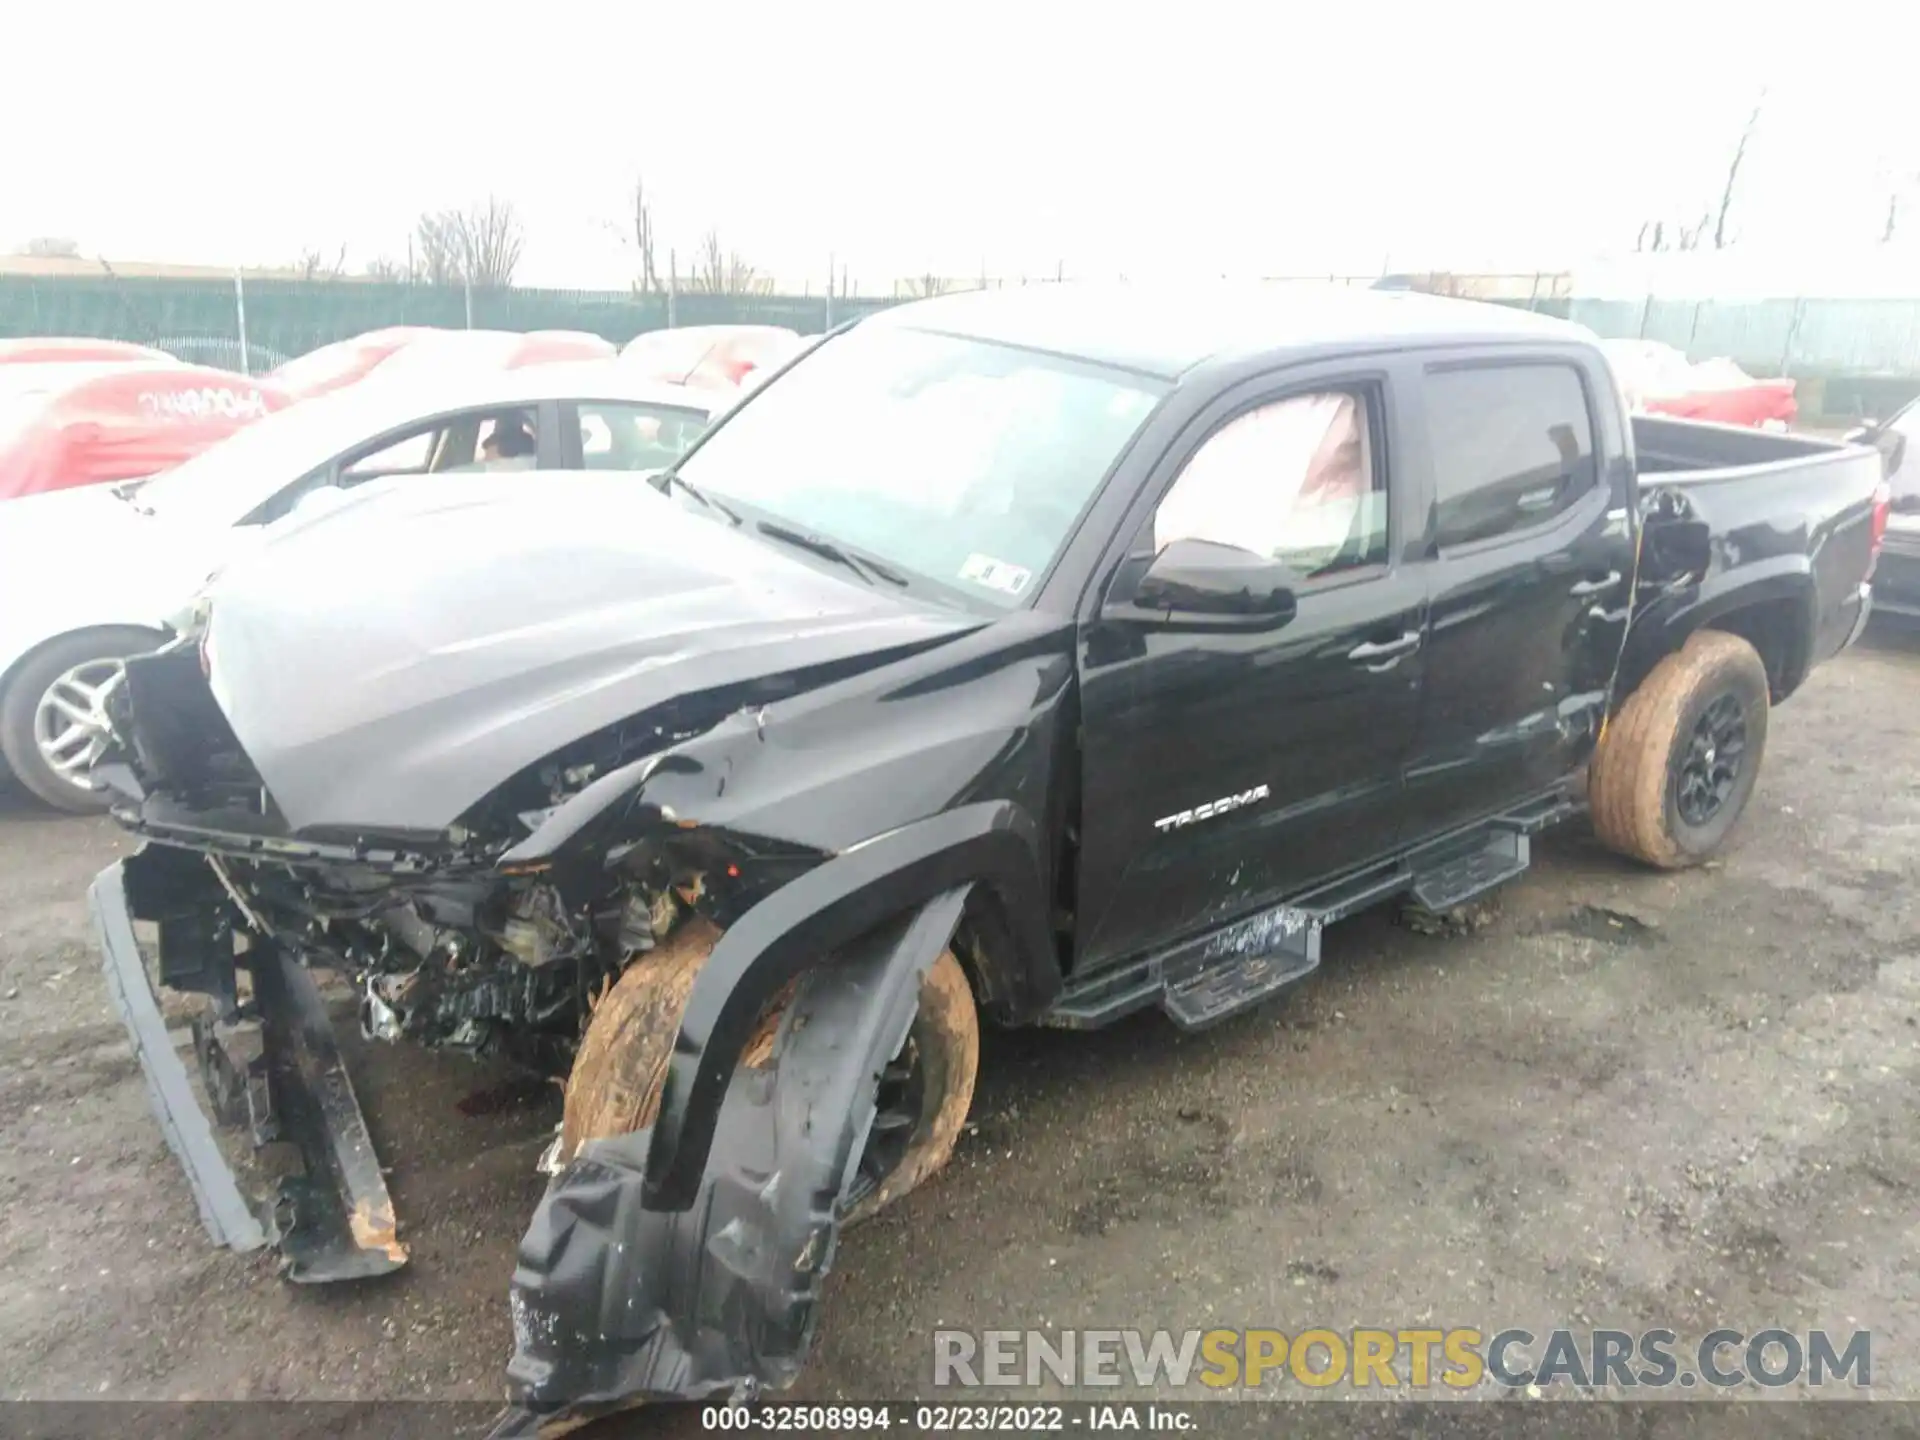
point(1791, 547)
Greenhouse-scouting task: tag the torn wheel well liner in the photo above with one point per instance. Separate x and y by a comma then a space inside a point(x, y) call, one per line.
point(990, 842)
point(615, 1300)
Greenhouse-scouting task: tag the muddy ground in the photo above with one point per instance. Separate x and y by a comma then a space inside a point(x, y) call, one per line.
point(1631, 1099)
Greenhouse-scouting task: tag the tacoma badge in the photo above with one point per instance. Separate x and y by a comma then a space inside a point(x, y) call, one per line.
point(1211, 809)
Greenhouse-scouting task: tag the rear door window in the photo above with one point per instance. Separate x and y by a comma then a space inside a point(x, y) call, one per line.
point(626, 435)
point(1511, 446)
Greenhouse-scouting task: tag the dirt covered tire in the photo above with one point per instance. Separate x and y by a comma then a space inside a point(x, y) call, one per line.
point(617, 1076)
point(1679, 761)
point(87, 656)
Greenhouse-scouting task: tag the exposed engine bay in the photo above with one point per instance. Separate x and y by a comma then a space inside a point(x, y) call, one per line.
point(442, 945)
point(466, 962)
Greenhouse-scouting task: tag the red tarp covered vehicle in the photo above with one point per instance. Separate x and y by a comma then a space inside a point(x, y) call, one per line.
point(1660, 380)
point(716, 357)
point(438, 352)
point(79, 349)
point(67, 425)
point(334, 366)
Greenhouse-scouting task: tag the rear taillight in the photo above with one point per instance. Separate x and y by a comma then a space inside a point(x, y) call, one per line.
point(1882, 508)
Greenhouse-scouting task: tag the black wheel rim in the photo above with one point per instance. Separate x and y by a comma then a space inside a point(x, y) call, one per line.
point(896, 1121)
point(1710, 768)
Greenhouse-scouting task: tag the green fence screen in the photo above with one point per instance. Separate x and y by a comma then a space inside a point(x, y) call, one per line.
point(200, 319)
point(1853, 356)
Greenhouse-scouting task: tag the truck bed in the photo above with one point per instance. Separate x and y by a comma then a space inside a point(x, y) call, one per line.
point(1684, 450)
point(1792, 518)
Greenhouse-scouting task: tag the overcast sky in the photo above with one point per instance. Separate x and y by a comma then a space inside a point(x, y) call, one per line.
point(1117, 138)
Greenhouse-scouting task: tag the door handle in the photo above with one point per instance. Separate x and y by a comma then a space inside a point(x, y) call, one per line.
point(1383, 654)
point(1595, 587)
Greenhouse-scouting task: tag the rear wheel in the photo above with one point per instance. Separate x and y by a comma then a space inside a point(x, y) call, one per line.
point(1677, 765)
point(920, 1106)
point(53, 722)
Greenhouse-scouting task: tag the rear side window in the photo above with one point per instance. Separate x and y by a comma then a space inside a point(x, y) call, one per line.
point(1512, 447)
point(616, 435)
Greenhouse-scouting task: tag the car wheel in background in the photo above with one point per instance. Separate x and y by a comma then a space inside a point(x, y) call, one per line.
point(52, 716)
point(1678, 762)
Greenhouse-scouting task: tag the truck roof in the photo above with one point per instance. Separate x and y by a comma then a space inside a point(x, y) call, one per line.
point(1167, 331)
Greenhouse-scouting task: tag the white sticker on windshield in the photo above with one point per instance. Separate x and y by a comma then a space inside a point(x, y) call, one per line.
point(996, 574)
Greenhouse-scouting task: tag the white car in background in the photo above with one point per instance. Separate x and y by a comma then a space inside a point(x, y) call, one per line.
point(91, 576)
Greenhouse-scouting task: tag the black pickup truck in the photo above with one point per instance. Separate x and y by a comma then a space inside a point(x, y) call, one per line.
point(1039, 655)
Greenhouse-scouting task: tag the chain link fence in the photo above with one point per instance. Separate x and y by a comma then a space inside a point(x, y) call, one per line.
point(1851, 356)
point(255, 324)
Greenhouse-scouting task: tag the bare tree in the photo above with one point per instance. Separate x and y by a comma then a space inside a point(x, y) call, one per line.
point(1710, 231)
point(1656, 237)
point(925, 287)
point(53, 247)
point(493, 241)
point(437, 246)
point(648, 280)
point(1898, 193)
point(720, 271)
point(1733, 172)
point(480, 245)
point(386, 268)
point(315, 264)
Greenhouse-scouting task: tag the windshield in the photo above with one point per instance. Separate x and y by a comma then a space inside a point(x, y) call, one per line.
point(964, 462)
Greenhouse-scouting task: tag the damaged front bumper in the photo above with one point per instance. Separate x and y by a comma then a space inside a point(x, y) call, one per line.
point(272, 1064)
point(613, 1303)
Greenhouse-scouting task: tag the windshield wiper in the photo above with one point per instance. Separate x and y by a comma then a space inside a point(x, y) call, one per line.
point(672, 478)
point(866, 569)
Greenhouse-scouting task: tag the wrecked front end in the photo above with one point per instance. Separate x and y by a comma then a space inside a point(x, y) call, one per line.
point(683, 1257)
point(437, 942)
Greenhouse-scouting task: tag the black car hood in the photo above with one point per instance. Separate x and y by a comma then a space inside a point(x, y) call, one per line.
point(388, 664)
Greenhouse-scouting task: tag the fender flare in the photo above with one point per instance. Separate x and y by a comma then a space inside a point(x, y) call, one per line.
point(1781, 579)
point(991, 843)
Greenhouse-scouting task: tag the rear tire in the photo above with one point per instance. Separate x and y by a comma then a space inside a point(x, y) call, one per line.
point(20, 708)
point(615, 1084)
point(1678, 763)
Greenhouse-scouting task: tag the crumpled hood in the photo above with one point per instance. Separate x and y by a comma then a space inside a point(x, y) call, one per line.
point(388, 664)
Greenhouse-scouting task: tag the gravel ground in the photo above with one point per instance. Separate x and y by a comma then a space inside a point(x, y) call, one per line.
point(1626, 1099)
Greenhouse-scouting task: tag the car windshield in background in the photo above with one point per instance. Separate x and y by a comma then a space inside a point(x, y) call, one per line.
point(963, 462)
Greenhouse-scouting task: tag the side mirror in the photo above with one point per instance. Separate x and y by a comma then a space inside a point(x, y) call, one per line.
point(1202, 578)
point(1891, 444)
point(1676, 550)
